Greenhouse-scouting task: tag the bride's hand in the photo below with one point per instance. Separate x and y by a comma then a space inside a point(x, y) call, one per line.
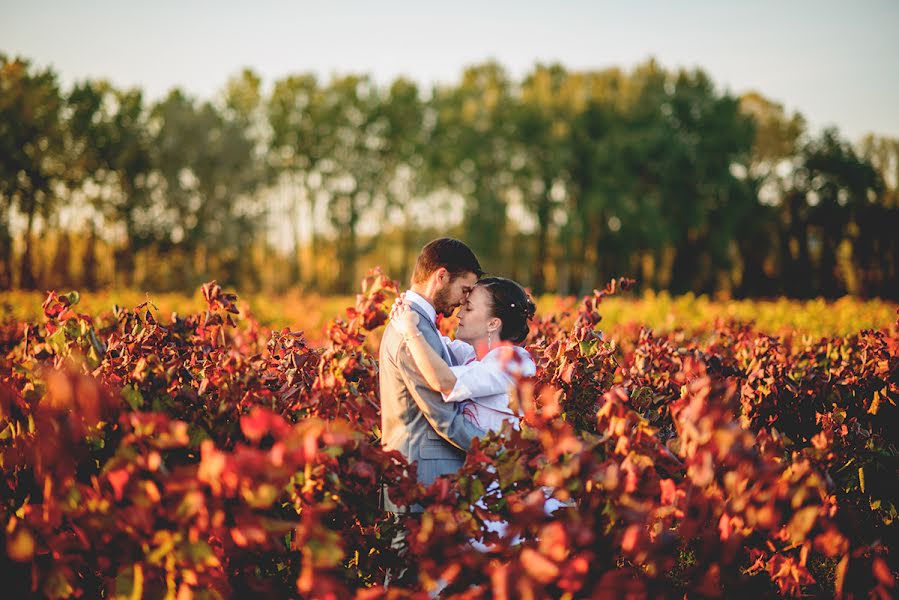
point(404, 318)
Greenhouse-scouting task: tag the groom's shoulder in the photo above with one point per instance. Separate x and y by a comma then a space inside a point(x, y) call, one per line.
point(390, 335)
point(390, 342)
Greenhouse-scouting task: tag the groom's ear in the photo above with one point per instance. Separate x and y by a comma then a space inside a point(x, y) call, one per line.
point(441, 275)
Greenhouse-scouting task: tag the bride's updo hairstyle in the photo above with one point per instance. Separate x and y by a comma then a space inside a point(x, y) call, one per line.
point(511, 305)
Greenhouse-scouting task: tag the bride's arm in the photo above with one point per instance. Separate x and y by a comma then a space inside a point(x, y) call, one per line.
point(433, 368)
point(495, 374)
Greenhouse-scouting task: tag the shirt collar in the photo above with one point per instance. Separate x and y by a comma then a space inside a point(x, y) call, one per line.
point(422, 304)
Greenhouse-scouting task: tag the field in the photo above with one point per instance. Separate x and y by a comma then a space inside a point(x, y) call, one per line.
point(698, 447)
point(661, 312)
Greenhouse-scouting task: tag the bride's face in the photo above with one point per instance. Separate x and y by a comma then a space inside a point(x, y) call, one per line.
point(474, 317)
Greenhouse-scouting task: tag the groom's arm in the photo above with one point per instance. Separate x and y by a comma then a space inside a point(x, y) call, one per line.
point(443, 417)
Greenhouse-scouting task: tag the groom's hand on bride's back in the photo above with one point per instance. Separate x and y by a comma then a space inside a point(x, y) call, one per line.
point(404, 318)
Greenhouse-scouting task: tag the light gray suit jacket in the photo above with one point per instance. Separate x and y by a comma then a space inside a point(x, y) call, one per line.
point(414, 418)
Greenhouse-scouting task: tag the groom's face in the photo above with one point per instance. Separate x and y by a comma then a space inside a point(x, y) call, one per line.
point(453, 292)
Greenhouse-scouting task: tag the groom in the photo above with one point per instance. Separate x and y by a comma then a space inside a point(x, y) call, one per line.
point(414, 419)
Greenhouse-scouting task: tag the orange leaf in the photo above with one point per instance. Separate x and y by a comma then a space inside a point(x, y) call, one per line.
point(538, 566)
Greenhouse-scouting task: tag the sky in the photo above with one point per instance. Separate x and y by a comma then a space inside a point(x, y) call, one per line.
point(835, 62)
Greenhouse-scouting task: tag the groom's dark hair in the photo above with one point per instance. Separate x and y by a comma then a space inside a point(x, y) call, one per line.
point(449, 253)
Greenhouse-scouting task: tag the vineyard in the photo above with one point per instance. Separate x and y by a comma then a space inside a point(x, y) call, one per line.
point(206, 455)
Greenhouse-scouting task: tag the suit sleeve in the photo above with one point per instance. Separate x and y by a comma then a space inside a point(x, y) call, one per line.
point(443, 417)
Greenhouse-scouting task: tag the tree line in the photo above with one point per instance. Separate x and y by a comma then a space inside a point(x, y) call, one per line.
point(562, 180)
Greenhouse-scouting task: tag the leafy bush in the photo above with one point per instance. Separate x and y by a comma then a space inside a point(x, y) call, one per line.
point(213, 458)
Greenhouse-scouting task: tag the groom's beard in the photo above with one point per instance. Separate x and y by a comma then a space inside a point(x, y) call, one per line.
point(441, 303)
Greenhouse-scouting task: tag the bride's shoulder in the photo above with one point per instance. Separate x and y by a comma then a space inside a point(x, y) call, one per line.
point(463, 351)
point(529, 366)
point(514, 356)
point(509, 352)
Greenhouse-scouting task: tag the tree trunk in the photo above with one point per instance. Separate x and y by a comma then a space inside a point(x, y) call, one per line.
point(796, 271)
point(352, 248)
point(685, 273)
point(754, 281)
point(5, 249)
point(59, 275)
point(90, 260)
point(312, 271)
point(296, 266)
point(647, 269)
point(890, 287)
point(26, 273)
point(538, 276)
point(125, 264)
point(347, 246)
point(829, 285)
point(600, 273)
point(575, 255)
point(409, 252)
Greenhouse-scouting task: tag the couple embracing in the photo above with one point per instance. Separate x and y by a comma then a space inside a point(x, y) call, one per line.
point(437, 394)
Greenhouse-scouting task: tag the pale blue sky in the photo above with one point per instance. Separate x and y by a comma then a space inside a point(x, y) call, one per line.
point(836, 62)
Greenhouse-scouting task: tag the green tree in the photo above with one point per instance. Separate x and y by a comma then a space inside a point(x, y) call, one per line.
point(207, 176)
point(759, 239)
point(703, 205)
point(589, 195)
point(108, 157)
point(615, 189)
point(549, 102)
point(404, 136)
point(471, 147)
point(301, 139)
point(875, 243)
point(245, 115)
point(355, 168)
point(831, 185)
point(31, 154)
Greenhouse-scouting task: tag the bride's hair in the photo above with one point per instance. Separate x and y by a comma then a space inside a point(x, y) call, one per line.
point(511, 305)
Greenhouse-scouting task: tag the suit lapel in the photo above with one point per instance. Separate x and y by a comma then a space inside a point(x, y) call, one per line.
point(423, 316)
